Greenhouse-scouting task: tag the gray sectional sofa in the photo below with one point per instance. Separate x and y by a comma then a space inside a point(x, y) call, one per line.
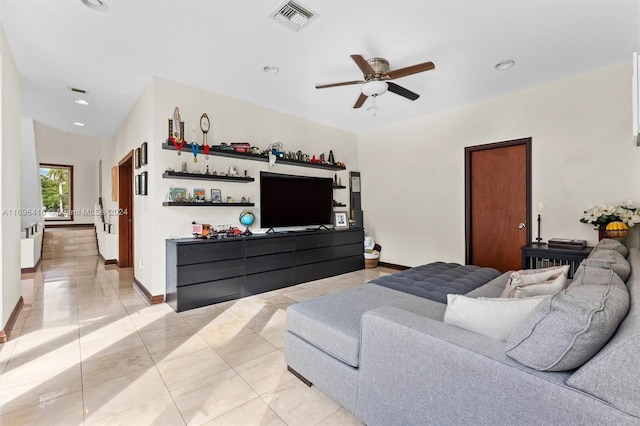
point(388, 356)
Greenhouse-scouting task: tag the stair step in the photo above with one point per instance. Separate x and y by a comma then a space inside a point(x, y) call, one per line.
point(58, 248)
point(65, 243)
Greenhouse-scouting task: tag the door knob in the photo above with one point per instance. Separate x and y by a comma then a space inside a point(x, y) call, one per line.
point(521, 225)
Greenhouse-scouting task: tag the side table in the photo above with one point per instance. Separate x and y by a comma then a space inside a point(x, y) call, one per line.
point(536, 256)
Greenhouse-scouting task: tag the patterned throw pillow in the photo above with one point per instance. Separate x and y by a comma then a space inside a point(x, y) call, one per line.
point(536, 282)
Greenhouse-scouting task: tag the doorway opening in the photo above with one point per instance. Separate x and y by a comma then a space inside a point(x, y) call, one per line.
point(125, 209)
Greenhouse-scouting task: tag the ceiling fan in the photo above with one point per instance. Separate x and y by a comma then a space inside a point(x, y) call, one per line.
point(376, 75)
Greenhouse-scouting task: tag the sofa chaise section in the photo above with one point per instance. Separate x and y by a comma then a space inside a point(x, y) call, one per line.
point(323, 335)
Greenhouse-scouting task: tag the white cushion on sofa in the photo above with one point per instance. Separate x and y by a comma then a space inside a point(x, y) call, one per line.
point(536, 282)
point(491, 317)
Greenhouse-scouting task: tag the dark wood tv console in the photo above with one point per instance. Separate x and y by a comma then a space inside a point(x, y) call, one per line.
point(201, 272)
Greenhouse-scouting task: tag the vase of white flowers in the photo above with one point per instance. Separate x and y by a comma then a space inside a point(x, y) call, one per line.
point(602, 216)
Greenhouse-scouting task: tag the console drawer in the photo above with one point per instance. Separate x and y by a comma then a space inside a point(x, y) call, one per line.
point(314, 255)
point(202, 294)
point(314, 241)
point(270, 262)
point(348, 250)
point(259, 247)
point(192, 274)
point(348, 237)
point(199, 252)
point(267, 281)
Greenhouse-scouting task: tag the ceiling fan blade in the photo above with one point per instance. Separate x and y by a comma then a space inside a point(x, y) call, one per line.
point(360, 100)
point(362, 63)
point(399, 90)
point(414, 69)
point(345, 83)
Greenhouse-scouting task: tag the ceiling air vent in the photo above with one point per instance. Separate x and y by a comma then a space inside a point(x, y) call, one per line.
point(293, 16)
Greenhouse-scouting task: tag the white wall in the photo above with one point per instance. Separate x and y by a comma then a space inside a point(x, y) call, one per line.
point(413, 172)
point(136, 128)
point(30, 191)
point(9, 173)
point(82, 152)
point(231, 121)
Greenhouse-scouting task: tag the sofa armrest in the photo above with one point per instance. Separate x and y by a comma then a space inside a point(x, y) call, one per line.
point(415, 370)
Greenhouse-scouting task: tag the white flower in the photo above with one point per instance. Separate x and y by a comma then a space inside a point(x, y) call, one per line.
point(591, 215)
point(607, 210)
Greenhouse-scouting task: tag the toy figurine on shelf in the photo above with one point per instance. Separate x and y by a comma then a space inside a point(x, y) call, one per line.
point(201, 230)
point(332, 159)
point(195, 148)
point(176, 131)
point(205, 126)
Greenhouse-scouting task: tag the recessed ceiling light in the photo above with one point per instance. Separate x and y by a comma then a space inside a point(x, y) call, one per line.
point(98, 5)
point(271, 69)
point(505, 65)
point(79, 124)
point(81, 102)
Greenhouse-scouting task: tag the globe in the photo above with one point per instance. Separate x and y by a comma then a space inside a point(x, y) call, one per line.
point(247, 218)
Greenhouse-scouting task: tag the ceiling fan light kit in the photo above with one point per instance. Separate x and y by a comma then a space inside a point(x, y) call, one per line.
point(374, 88)
point(376, 75)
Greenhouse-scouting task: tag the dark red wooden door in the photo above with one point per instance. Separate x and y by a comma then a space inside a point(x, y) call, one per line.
point(498, 203)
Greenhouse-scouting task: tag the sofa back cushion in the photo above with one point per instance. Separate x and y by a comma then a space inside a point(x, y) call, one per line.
point(612, 375)
point(618, 263)
point(609, 244)
point(570, 327)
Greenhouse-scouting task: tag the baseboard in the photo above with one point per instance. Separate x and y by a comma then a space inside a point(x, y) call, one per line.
point(33, 269)
point(107, 261)
point(393, 266)
point(5, 333)
point(159, 298)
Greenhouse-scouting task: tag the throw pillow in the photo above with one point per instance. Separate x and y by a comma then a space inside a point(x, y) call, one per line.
point(536, 282)
point(491, 317)
point(619, 264)
point(609, 244)
point(567, 329)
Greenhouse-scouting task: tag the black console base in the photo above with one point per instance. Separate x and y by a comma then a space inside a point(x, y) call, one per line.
point(201, 272)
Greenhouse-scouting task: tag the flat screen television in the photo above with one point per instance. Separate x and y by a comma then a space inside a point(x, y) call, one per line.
point(288, 200)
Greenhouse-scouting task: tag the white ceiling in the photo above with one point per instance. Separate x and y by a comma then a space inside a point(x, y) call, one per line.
point(222, 46)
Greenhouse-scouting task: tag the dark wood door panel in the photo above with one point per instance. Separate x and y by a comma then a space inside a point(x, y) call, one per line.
point(498, 198)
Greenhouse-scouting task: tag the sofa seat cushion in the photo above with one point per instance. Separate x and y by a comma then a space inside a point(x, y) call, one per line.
point(435, 280)
point(332, 323)
point(567, 329)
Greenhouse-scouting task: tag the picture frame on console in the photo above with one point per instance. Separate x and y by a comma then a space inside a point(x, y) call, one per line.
point(216, 196)
point(341, 220)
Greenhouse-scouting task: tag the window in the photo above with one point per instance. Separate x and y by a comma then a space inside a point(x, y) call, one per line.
point(56, 181)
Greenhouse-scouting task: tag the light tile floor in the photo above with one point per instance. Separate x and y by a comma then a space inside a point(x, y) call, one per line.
point(87, 349)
